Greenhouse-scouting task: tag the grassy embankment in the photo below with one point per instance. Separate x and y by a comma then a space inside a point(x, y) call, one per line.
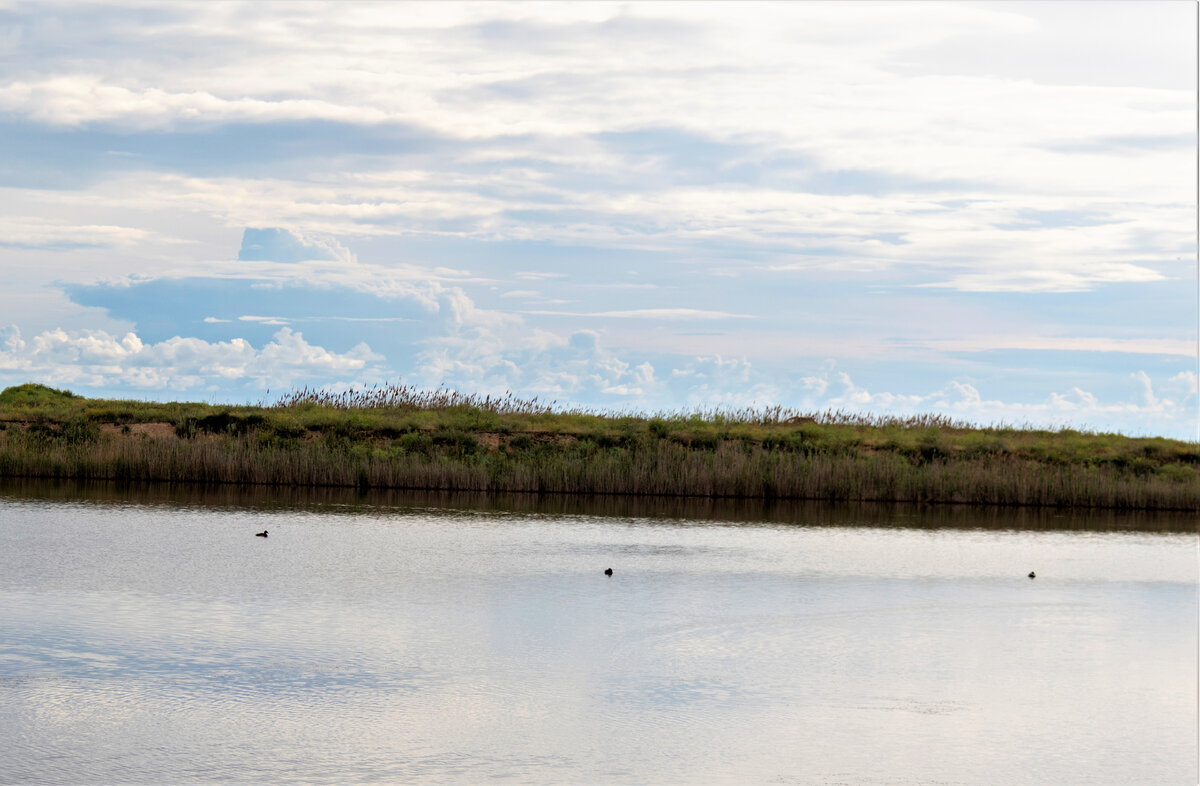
point(403, 438)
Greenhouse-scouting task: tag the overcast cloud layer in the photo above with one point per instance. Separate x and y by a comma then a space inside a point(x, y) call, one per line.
point(986, 210)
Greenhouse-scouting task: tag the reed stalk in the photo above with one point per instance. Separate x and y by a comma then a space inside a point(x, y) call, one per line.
point(399, 437)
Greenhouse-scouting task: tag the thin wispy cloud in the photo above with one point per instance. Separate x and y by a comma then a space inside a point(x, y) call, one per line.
point(264, 320)
point(1178, 347)
point(667, 314)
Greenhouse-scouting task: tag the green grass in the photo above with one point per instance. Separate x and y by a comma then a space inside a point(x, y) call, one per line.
point(397, 437)
point(33, 395)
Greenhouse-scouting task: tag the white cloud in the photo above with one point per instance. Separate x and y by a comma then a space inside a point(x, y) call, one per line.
point(788, 77)
point(35, 232)
point(1050, 280)
point(1141, 346)
point(668, 314)
point(572, 368)
point(1188, 382)
point(263, 320)
point(965, 239)
point(77, 99)
point(1171, 412)
point(97, 359)
point(613, 62)
point(579, 369)
point(716, 382)
point(285, 245)
point(352, 319)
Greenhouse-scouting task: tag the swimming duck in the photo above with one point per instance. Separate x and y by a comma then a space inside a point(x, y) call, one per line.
point(608, 571)
point(1032, 575)
point(262, 534)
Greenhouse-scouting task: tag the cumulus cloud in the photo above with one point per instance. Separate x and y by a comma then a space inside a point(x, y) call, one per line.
point(713, 381)
point(98, 360)
point(1170, 410)
point(574, 368)
point(283, 245)
point(1187, 382)
point(578, 368)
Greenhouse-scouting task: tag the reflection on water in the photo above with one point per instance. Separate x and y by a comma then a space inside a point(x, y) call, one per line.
point(806, 512)
point(385, 638)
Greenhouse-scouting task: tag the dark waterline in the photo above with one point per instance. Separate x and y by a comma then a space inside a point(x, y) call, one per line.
point(802, 512)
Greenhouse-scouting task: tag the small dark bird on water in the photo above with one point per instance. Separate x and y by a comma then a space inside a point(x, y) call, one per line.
point(1032, 575)
point(262, 534)
point(608, 571)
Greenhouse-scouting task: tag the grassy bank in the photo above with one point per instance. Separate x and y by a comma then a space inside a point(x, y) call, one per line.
point(408, 439)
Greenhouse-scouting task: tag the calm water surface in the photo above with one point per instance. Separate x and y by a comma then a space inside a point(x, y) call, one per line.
point(147, 643)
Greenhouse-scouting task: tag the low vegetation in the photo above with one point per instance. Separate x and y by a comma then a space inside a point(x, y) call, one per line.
point(405, 438)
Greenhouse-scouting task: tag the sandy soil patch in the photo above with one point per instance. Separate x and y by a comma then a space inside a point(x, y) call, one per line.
point(156, 430)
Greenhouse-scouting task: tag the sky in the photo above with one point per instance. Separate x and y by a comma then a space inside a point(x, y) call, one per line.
point(985, 210)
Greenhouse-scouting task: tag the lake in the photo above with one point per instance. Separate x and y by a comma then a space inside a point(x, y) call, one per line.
point(148, 636)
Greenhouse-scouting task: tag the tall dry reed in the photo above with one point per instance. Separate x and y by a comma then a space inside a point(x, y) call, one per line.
point(733, 469)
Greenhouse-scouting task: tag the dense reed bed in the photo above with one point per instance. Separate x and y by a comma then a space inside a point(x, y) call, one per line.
point(404, 438)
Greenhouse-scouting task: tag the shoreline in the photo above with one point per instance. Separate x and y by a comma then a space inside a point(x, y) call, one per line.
point(564, 465)
point(508, 446)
